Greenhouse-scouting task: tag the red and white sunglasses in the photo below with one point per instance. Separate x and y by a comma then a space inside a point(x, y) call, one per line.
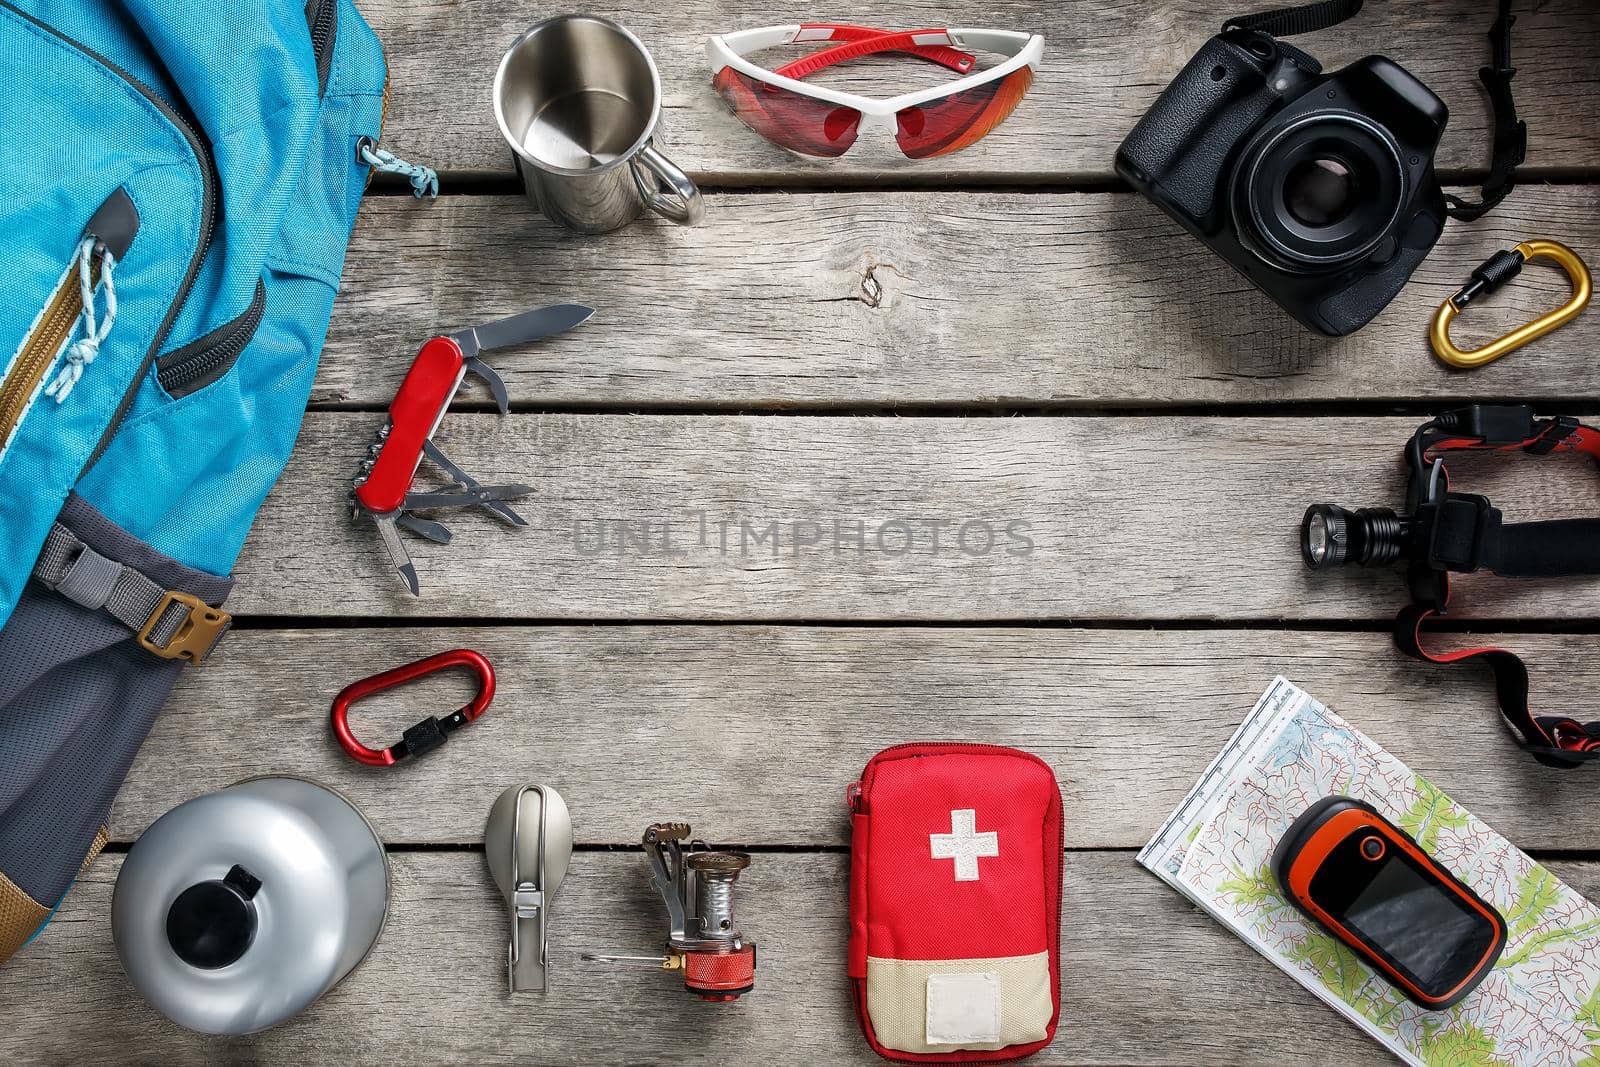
point(825, 122)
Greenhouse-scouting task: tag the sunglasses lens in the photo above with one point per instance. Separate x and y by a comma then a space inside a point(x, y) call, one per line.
point(956, 121)
point(787, 118)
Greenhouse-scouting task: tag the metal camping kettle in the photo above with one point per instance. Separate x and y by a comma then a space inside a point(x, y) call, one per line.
point(237, 909)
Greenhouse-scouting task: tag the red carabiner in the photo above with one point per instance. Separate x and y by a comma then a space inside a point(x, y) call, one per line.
point(428, 734)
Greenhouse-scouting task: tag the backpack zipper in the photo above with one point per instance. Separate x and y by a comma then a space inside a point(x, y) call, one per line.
point(322, 16)
point(202, 362)
point(208, 216)
point(44, 343)
point(105, 240)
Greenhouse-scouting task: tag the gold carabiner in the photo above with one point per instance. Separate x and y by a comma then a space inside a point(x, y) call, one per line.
point(1495, 272)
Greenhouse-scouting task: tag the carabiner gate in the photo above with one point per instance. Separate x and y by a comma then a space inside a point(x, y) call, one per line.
point(1491, 275)
point(428, 734)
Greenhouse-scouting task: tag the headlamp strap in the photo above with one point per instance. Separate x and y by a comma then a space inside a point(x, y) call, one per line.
point(1555, 741)
point(1465, 532)
point(1510, 146)
point(1503, 428)
point(1529, 549)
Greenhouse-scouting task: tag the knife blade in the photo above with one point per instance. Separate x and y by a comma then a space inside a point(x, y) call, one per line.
point(520, 329)
point(496, 384)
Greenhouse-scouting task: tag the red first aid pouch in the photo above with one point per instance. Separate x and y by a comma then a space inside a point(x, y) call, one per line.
point(955, 903)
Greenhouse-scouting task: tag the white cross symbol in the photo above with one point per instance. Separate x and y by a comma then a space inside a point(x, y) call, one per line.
point(964, 844)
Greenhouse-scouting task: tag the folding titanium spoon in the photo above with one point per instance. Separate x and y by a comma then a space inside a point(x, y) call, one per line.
point(528, 844)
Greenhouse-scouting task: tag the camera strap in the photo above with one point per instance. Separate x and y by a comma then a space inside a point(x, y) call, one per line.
point(1510, 145)
point(1301, 18)
point(1470, 535)
point(1510, 132)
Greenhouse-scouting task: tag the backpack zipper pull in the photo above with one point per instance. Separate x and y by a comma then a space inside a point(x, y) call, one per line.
point(95, 329)
point(424, 180)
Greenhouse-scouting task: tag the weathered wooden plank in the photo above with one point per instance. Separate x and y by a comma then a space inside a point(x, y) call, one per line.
point(824, 518)
point(903, 298)
point(1104, 64)
point(755, 731)
point(1146, 979)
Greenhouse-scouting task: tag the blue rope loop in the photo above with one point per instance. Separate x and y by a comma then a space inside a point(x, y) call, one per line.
point(95, 329)
point(424, 180)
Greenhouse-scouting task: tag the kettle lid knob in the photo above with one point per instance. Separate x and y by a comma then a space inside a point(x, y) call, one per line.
point(212, 923)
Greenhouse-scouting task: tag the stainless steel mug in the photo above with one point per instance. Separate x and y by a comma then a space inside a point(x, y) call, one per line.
point(579, 99)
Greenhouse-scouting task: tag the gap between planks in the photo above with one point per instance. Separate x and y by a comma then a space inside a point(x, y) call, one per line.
point(492, 183)
point(633, 724)
point(1441, 625)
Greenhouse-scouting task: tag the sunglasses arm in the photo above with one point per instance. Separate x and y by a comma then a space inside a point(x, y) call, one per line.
point(1001, 42)
point(864, 41)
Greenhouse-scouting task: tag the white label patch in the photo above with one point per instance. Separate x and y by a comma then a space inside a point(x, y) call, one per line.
point(963, 1009)
point(964, 844)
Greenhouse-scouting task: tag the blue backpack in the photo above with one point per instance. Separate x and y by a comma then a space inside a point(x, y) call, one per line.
point(180, 179)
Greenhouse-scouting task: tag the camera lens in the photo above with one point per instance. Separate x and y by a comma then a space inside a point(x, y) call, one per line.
point(1331, 536)
point(1320, 191)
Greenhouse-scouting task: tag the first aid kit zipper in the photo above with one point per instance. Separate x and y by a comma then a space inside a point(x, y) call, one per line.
point(854, 793)
point(208, 215)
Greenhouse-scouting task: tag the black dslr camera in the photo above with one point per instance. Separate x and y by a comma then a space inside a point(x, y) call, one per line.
point(1317, 187)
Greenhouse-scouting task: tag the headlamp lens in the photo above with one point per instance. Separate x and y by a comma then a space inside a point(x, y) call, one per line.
point(1324, 536)
point(1317, 538)
point(1331, 536)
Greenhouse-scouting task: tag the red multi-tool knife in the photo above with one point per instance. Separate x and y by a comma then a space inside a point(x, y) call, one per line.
point(383, 484)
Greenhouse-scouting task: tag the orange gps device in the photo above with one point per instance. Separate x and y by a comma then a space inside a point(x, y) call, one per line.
point(1366, 881)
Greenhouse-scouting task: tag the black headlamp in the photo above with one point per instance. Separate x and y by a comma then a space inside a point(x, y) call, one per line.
point(1444, 532)
point(1331, 536)
point(1463, 532)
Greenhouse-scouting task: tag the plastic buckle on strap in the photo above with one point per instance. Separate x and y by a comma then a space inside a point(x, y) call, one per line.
point(196, 635)
point(1493, 425)
point(1551, 435)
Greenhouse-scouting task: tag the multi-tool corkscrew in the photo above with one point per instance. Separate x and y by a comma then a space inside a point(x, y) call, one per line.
point(382, 486)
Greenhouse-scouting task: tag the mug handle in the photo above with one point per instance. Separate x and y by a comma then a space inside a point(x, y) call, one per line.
point(681, 202)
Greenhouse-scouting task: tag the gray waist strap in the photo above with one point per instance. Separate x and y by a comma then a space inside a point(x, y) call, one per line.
point(172, 624)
